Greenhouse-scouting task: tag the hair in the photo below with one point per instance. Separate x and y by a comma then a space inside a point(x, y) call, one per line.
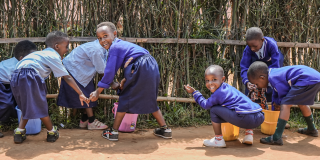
point(216, 68)
point(23, 48)
point(108, 24)
point(256, 69)
point(55, 37)
point(254, 33)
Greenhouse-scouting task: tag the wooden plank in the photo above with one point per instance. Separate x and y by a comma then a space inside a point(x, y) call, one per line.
point(166, 40)
point(172, 99)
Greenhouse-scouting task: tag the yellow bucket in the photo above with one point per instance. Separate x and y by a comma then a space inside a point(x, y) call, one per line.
point(270, 122)
point(230, 132)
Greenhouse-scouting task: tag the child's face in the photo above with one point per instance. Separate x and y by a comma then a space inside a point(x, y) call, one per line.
point(255, 45)
point(261, 82)
point(106, 36)
point(214, 81)
point(62, 47)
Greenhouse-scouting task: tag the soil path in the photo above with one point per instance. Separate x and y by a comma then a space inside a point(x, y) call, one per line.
point(142, 144)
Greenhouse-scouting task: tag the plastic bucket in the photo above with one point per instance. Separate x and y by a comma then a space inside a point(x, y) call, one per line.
point(129, 120)
point(230, 132)
point(270, 122)
point(33, 126)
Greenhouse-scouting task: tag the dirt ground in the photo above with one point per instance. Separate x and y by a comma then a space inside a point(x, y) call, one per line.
point(142, 144)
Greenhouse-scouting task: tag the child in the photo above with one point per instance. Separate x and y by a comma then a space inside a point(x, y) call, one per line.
point(139, 92)
point(82, 63)
point(293, 85)
point(7, 67)
point(29, 88)
point(259, 48)
point(227, 104)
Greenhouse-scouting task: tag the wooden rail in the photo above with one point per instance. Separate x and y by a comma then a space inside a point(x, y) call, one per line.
point(170, 99)
point(166, 40)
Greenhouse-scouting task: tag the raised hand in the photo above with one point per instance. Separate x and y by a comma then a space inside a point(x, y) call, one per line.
point(251, 86)
point(189, 89)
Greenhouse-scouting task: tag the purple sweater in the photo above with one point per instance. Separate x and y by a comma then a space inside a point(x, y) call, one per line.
point(271, 53)
point(119, 52)
point(281, 79)
point(229, 97)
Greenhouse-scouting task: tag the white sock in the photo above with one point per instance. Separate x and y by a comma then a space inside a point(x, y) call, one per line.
point(52, 130)
point(19, 129)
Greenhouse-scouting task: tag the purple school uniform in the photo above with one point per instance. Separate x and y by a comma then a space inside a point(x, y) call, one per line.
point(286, 82)
point(227, 104)
point(139, 93)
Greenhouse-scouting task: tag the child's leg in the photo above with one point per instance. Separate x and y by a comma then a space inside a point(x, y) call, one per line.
point(93, 123)
point(118, 120)
point(112, 133)
point(163, 131)
point(23, 123)
point(158, 116)
point(216, 128)
point(47, 122)
point(307, 114)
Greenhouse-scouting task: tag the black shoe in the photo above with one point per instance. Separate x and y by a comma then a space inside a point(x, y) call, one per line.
point(52, 136)
point(271, 141)
point(313, 133)
point(110, 134)
point(1, 135)
point(162, 132)
point(19, 136)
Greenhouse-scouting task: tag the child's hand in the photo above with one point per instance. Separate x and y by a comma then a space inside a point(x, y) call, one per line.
point(83, 98)
point(122, 83)
point(94, 96)
point(115, 85)
point(189, 88)
point(250, 86)
point(276, 107)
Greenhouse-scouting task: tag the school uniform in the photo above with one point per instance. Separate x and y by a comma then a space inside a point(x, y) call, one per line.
point(269, 53)
point(82, 63)
point(139, 93)
point(28, 81)
point(227, 104)
point(7, 102)
point(296, 85)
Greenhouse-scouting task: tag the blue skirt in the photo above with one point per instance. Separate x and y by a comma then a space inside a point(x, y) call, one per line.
point(139, 93)
point(7, 103)
point(301, 95)
point(69, 98)
point(29, 91)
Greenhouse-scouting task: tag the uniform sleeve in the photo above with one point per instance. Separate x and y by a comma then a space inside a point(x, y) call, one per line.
point(113, 64)
point(275, 98)
point(98, 60)
point(204, 103)
point(275, 57)
point(55, 64)
point(245, 64)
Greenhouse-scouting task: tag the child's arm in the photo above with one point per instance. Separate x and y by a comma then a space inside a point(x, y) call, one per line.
point(275, 100)
point(204, 103)
point(244, 65)
point(74, 85)
point(95, 94)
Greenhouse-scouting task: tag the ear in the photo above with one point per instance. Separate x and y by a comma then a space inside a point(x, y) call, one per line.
point(223, 78)
point(56, 46)
point(115, 33)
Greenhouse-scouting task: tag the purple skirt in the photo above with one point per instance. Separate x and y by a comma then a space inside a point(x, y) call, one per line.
point(29, 91)
point(139, 93)
point(7, 103)
point(69, 98)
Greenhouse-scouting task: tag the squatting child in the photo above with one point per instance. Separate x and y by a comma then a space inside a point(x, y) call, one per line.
point(227, 104)
point(7, 67)
point(292, 85)
point(140, 90)
point(29, 87)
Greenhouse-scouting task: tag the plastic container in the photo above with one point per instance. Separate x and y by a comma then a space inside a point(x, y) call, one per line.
point(33, 126)
point(270, 122)
point(129, 120)
point(230, 132)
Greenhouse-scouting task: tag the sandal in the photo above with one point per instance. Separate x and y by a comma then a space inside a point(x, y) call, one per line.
point(272, 142)
point(305, 131)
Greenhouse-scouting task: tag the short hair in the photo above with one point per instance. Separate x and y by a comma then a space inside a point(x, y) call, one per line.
point(217, 68)
point(108, 24)
point(55, 37)
point(23, 48)
point(254, 33)
point(256, 69)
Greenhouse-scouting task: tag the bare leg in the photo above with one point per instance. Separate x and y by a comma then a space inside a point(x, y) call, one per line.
point(89, 112)
point(47, 122)
point(158, 116)
point(306, 111)
point(23, 123)
point(285, 112)
point(118, 120)
point(216, 128)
